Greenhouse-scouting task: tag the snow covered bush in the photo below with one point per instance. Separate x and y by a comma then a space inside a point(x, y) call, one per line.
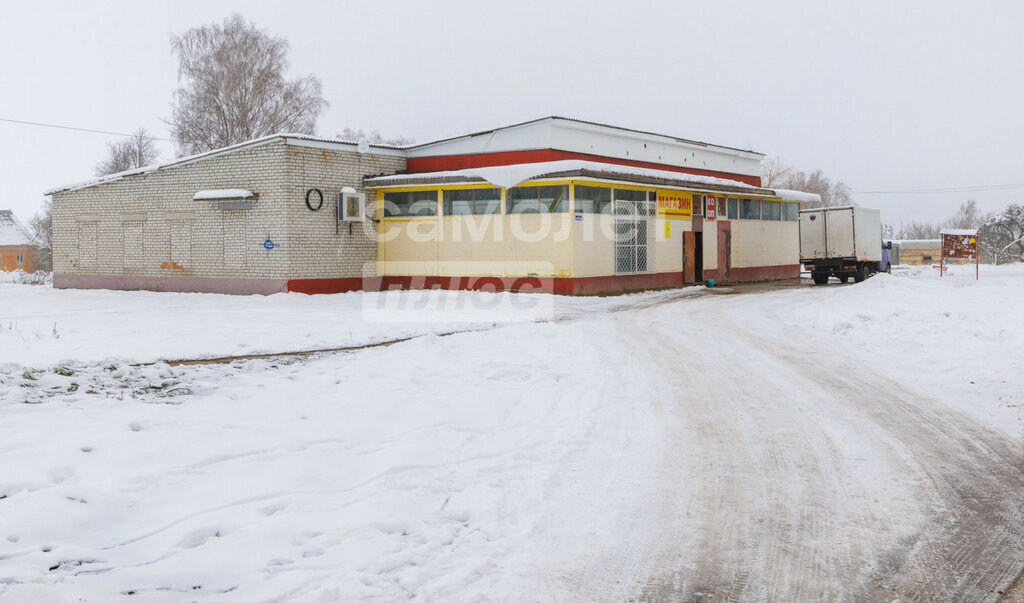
point(20, 277)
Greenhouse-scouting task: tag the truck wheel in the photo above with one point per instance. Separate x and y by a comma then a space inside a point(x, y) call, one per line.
point(861, 274)
point(819, 278)
point(844, 278)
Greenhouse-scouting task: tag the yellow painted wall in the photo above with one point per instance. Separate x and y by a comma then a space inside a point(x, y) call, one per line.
point(475, 245)
point(593, 245)
point(710, 238)
point(765, 243)
point(559, 245)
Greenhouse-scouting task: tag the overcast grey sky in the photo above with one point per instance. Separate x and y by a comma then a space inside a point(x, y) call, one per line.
point(882, 95)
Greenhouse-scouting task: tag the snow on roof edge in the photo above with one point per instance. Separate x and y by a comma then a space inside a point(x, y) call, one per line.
point(959, 232)
point(21, 233)
point(508, 176)
point(791, 195)
point(181, 160)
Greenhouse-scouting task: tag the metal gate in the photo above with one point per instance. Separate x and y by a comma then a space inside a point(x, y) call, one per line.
point(632, 230)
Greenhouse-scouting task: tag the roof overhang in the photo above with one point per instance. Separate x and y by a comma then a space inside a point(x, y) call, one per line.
point(510, 176)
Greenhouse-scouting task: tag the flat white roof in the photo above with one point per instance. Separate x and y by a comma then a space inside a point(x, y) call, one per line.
point(592, 125)
point(511, 175)
point(508, 176)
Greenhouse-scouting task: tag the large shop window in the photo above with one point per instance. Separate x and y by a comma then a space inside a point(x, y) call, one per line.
point(593, 200)
point(472, 201)
point(771, 210)
point(538, 199)
point(733, 209)
point(791, 212)
point(750, 209)
point(410, 203)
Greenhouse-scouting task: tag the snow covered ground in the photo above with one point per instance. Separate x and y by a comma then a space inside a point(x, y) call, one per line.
point(801, 443)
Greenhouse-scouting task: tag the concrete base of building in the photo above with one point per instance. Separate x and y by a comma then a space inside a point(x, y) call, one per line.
point(756, 274)
point(232, 286)
point(591, 285)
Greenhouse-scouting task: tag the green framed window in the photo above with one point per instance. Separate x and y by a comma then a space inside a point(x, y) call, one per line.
point(538, 199)
point(750, 209)
point(593, 199)
point(410, 203)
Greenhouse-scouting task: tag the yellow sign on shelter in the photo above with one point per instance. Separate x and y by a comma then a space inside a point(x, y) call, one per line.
point(674, 204)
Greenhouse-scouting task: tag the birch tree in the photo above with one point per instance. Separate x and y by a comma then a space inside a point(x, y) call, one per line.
point(233, 88)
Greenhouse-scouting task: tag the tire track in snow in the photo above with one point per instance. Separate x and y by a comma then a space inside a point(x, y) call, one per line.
point(969, 547)
point(785, 512)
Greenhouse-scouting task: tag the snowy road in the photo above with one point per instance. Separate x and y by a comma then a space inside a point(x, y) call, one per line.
point(666, 446)
point(844, 484)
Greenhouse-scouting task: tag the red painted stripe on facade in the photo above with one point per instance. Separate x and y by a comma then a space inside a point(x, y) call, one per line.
point(313, 286)
point(560, 286)
point(440, 163)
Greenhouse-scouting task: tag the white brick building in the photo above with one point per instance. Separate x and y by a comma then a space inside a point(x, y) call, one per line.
point(553, 204)
point(145, 230)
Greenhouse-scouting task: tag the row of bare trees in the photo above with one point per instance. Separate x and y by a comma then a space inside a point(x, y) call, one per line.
point(1000, 233)
point(777, 174)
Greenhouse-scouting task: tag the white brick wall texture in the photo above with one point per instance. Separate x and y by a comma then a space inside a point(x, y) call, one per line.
point(97, 229)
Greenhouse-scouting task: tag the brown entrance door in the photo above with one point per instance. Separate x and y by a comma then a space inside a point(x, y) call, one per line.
point(689, 258)
point(724, 250)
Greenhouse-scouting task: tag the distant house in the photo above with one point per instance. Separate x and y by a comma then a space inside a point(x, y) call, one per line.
point(916, 252)
point(19, 250)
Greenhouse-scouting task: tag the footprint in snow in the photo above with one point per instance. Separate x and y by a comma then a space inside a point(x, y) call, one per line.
point(302, 538)
point(199, 537)
point(272, 509)
point(59, 475)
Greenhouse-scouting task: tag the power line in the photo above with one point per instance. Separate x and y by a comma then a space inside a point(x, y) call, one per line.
point(34, 123)
point(962, 189)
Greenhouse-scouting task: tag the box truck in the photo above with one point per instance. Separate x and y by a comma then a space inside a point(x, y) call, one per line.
point(844, 242)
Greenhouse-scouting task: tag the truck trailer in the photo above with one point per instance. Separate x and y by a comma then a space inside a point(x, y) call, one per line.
point(844, 242)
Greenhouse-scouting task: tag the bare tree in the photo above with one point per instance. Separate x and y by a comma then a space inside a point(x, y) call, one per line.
point(833, 194)
point(912, 230)
point(774, 172)
point(42, 224)
point(233, 87)
point(1002, 235)
point(374, 137)
point(135, 152)
point(42, 228)
point(968, 216)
